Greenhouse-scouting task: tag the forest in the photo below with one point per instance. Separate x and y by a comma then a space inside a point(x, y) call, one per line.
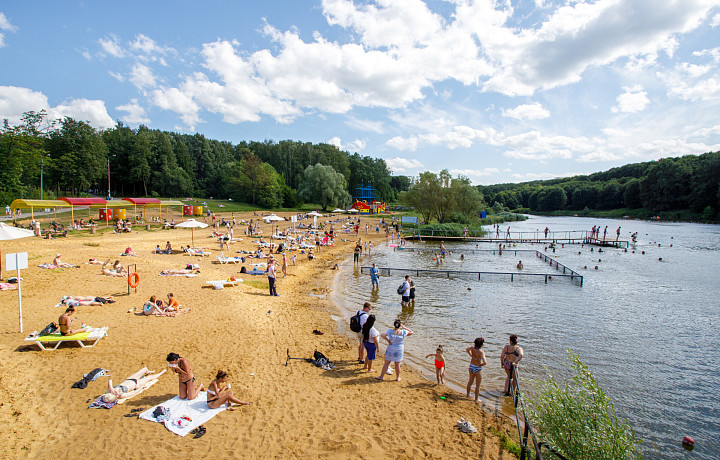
point(689, 183)
point(71, 158)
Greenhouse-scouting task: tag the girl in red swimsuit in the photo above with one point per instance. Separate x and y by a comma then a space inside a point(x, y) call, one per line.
point(439, 364)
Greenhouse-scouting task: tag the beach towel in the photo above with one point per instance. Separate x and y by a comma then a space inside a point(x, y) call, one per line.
point(48, 266)
point(189, 275)
point(147, 385)
point(255, 271)
point(90, 377)
point(6, 286)
point(196, 410)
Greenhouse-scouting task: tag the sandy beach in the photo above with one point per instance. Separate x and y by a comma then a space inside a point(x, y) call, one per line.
point(298, 410)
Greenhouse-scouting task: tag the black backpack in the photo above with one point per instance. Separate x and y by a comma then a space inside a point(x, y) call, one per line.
point(355, 321)
point(401, 289)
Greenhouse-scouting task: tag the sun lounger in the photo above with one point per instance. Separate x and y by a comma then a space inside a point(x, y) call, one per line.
point(224, 260)
point(84, 339)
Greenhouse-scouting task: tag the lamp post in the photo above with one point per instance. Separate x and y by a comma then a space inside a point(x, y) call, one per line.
point(108, 176)
point(42, 167)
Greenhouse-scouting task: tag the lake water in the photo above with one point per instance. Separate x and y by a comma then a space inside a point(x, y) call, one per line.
point(648, 329)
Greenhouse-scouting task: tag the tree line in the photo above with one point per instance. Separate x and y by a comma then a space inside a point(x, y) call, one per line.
point(73, 158)
point(690, 182)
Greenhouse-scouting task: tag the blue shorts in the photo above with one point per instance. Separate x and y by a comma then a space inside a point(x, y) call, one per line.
point(371, 349)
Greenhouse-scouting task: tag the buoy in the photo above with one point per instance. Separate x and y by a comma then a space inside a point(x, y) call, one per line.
point(688, 440)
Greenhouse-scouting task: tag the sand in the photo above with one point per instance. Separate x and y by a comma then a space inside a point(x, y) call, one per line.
point(298, 410)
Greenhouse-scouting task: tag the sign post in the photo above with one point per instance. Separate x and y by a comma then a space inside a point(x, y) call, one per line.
point(17, 261)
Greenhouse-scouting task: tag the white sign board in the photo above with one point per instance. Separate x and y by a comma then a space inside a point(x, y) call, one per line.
point(17, 261)
point(293, 219)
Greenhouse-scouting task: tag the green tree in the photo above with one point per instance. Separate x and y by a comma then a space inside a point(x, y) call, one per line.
point(467, 198)
point(424, 195)
point(323, 185)
point(400, 183)
point(578, 418)
point(631, 194)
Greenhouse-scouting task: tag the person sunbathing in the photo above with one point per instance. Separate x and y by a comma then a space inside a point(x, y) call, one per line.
point(119, 268)
point(218, 393)
point(110, 271)
point(172, 303)
point(152, 307)
point(130, 386)
point(95, 261)
point(60, 263)
point(78, 300)
point(65, 323)
point(177, 271)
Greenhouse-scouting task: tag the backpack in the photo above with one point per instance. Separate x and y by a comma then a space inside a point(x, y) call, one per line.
point(355, 321)
point(401, 289)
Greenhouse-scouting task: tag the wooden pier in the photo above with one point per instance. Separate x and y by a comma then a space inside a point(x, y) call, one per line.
point(574, 237)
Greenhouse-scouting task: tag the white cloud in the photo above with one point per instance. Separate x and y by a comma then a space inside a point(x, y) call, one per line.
point(693, 82)
point(459, 136)
point(135, 113)
point(336, 142)
point(354, 146)
point(475, 173)
point(540, 176)
point(111, 45)
point(398, 165)
point(14, 101)
point(92, 111)
point(634, 99)
point(147, 45)
point(175, 100)
point(5, 25)
point(366, 125)
point(117, 76)
point(715, 20)
point(533, 111)
point(142, 76)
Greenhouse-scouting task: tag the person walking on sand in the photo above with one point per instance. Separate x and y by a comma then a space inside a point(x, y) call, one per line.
point(370, 341)
point(477, 361)
point(186, 379)
point(509, 359)
point(362, 316)
point(374, 277)
point(396, 347)
point(439, 364)
point(218, 393)
point(271, 274)
point(284, 266)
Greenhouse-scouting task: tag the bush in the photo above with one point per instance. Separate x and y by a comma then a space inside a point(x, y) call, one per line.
point(578, 419)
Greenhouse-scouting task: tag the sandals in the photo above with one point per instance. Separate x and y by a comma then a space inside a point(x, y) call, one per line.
point(199, 432)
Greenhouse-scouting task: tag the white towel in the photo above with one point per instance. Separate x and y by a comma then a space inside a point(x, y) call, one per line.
point(197, 410)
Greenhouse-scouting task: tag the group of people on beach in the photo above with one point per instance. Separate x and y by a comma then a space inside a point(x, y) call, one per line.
point(369, 343)
point(218, 391)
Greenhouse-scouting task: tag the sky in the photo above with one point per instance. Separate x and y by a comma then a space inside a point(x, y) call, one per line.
point(496, 91)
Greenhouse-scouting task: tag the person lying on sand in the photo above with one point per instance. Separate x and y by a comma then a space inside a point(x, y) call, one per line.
point(65, 323)
point(77, 300)
point(177, 271)
point(95, 261)
point(218, 393)
point(130, 386)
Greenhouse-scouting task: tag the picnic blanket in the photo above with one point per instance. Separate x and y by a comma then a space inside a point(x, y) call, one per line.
point(196, 410)
point(48, 266)
point(189, 275)
point(6, 286)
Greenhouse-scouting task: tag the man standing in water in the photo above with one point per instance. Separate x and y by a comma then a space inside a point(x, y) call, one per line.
point(374, 277)
point(356, 254)
point(618, 234)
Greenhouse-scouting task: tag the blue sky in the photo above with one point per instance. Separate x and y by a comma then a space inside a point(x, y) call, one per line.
point(498, 91)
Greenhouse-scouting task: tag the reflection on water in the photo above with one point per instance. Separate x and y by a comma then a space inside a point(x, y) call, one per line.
point(645, 321)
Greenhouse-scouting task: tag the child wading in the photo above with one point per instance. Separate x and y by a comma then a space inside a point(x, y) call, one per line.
point(477, 361)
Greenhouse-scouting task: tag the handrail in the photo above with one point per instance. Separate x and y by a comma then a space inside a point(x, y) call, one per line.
point(528, 433)
point(418, 272)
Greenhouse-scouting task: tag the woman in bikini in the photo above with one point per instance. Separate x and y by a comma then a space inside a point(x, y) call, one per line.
point(186, 378)
point(509, 358)
point(477, 361)
point(218, 393)
point(130, 386)
point(65, 323)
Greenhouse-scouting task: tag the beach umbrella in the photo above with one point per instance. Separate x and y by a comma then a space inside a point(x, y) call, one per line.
point(338, 210)
point(192, 224)
point(272, 218)
point(315, 214)
point(352, 210)
point(8, 232)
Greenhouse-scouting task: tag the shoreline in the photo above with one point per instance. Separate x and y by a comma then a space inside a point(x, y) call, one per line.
point(298, 409)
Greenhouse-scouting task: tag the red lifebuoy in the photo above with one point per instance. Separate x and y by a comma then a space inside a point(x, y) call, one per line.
point(133, 279)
